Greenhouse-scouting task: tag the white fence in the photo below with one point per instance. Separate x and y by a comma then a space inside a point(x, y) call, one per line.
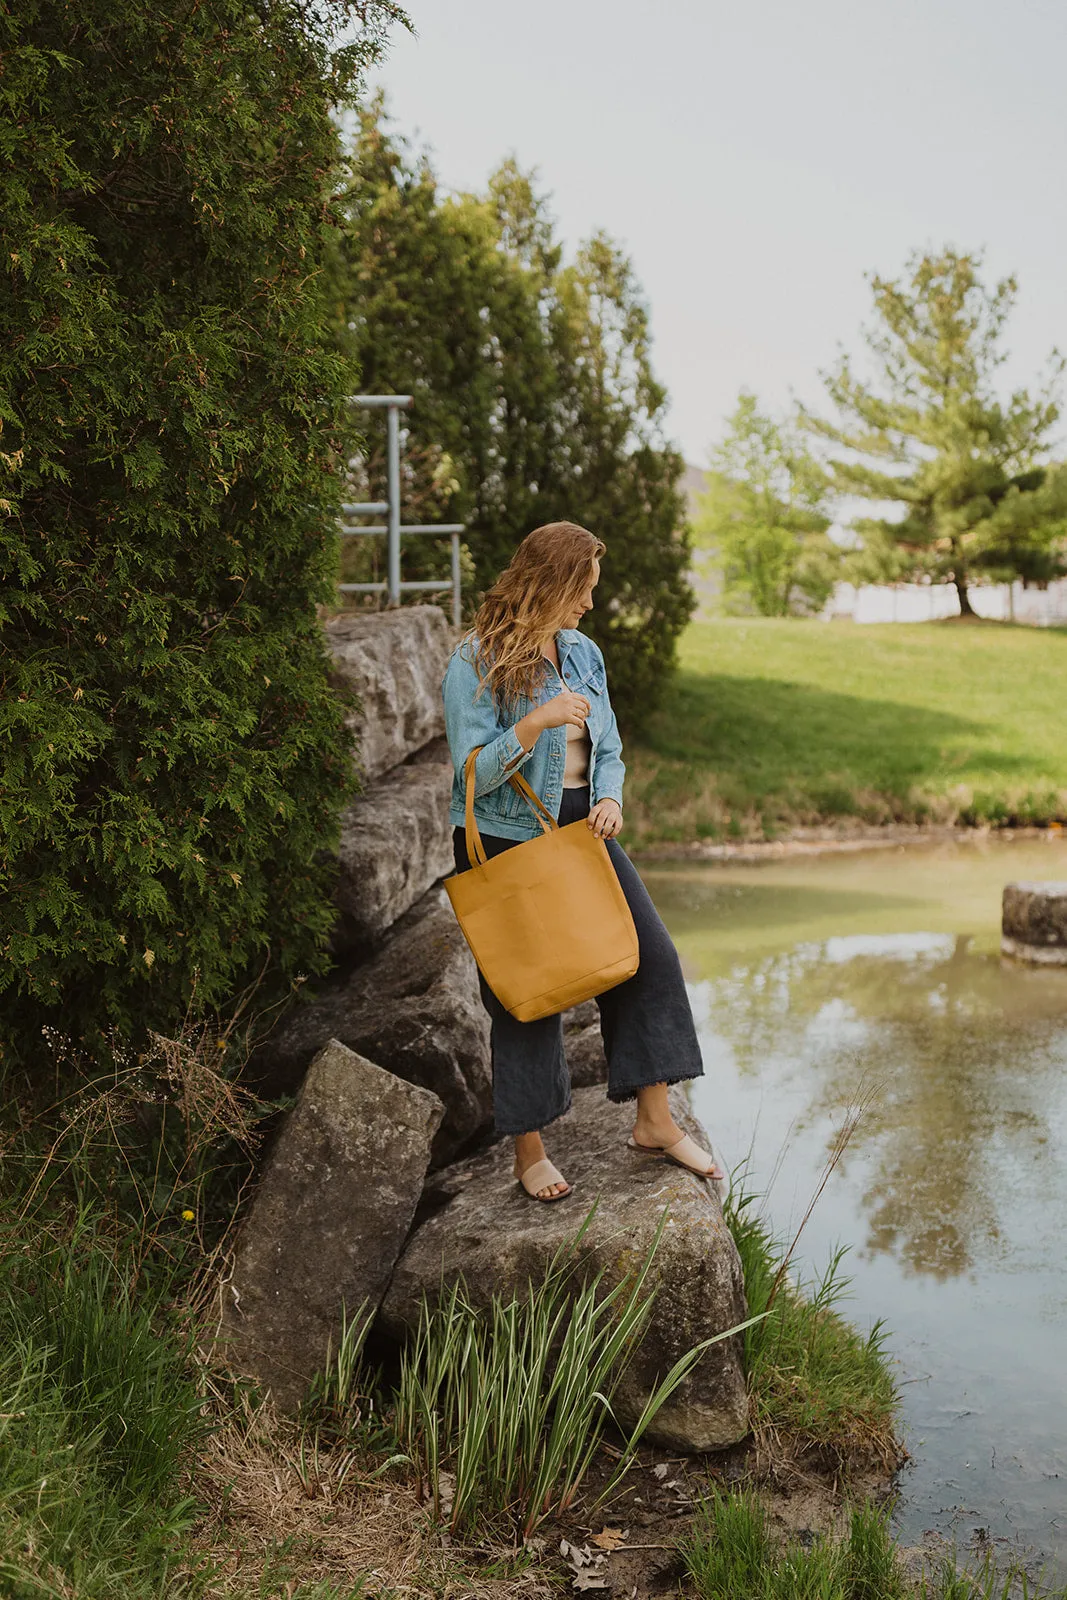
point(929, 602)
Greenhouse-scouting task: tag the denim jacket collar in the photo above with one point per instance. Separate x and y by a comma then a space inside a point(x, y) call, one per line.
point(579, 659)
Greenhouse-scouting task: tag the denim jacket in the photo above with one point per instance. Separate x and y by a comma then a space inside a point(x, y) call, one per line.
point(473, 718)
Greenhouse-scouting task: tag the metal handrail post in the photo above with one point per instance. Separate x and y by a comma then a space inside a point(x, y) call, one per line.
point(393, 588)
point(393, 497)
point(457, 602)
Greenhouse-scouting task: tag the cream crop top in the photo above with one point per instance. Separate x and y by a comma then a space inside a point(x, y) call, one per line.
point(579, 750)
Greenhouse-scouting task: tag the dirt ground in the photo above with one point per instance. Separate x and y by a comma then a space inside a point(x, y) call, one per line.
point(333, 1520)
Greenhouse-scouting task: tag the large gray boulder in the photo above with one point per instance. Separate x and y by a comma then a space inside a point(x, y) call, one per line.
point(396, 841)
point(1034, 923)
point(583, 1043)
point(415, 1009)
point(395, 661)
point(331, 1212)
point(489, 1230)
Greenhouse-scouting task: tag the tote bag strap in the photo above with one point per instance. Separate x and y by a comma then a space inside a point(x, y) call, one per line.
point(475, 847)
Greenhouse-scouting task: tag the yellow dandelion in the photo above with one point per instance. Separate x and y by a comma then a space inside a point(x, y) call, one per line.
point(188, 1216)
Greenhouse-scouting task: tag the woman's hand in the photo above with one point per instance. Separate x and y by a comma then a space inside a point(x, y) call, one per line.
point(556, 713)
point(563, 709)
point(605, 819)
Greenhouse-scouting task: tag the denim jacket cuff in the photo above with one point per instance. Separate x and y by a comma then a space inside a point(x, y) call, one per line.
point(607, 794)
point(512, 753)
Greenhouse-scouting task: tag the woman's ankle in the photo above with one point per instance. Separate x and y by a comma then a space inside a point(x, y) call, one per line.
point(653, 1117)
point(529, 1148)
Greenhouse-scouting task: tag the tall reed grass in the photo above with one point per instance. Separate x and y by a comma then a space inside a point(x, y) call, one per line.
point(502, 1409)
point(116, 1190)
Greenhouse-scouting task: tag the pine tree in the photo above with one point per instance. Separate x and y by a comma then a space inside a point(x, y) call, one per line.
point(172, 406)
point(931, 434)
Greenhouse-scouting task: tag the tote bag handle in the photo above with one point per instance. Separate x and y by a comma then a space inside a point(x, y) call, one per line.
point(475, 847)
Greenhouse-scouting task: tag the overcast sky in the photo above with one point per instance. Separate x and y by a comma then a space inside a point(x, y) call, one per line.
point(757, 158)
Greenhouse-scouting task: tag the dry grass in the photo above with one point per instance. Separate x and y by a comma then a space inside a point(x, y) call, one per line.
point(285, 1510)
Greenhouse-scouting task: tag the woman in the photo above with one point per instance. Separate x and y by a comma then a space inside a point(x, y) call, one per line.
point(531, 690)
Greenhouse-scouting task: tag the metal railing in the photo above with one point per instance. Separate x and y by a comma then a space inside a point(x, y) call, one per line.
point(393, 528)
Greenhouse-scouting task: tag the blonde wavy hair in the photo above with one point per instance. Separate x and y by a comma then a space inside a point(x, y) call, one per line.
point(541, 584)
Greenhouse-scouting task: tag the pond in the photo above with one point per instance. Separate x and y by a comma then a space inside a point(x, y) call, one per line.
point(876, 978)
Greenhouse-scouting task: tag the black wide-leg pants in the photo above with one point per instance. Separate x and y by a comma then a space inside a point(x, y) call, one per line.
point(647, 1022)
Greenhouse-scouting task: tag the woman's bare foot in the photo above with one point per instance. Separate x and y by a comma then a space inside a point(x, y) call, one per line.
point(654, 1126)
point(529, 1149)
point(656, 1129)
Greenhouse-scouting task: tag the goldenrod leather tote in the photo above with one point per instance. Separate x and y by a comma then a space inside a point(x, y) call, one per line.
point(547, 921)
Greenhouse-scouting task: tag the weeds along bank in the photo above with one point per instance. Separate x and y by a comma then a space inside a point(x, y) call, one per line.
point(133, 1466)
point(774, 724)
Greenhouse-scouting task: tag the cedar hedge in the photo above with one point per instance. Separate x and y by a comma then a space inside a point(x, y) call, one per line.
point(172, 762)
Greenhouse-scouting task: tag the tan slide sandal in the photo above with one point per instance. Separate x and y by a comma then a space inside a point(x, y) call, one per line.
point(540, 1176)
point(686, 1153)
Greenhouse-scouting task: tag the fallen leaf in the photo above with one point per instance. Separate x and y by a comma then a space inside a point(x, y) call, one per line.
point(661, 1469)
point(578, 1556)
point(589, 1580)
point(609, 1538)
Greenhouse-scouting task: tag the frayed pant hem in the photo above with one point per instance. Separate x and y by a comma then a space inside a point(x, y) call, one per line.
point(622, 1093)
point(517, 1133)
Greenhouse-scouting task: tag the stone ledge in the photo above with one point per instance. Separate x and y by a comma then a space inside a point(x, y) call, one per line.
point(395, 661)
point(415, 1009)
point(396, 842)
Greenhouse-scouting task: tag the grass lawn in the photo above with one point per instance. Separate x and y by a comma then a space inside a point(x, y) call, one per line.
point(771, 724)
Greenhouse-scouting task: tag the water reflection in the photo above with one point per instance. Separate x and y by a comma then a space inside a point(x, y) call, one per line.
point(879, 978)
point(814, 981)
point(956, 1056)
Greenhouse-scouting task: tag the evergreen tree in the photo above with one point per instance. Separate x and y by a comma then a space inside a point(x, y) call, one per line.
point(617, 475)
point(764, 517)
point(439, 296)
point(534, 395)
point(932, 436)
point(174, 762)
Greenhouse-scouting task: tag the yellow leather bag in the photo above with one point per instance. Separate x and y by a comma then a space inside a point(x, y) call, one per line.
point(547, 921)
